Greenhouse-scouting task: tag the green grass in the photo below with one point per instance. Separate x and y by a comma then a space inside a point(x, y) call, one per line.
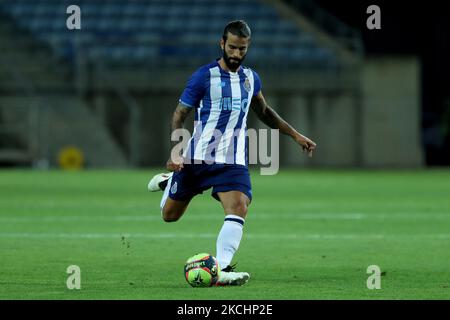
point(308, 235)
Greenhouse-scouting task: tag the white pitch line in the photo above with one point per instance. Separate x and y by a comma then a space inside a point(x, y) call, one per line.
point(157, 217)
point(255, 216)
point(213, 236)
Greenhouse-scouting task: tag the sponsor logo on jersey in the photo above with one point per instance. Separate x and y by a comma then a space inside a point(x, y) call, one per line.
point(228, 104)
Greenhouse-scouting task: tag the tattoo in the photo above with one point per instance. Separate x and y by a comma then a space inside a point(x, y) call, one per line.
point(271, 118)
point(178, 118)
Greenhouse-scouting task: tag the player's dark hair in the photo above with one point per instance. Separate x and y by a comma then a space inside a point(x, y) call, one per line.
point(239, 28)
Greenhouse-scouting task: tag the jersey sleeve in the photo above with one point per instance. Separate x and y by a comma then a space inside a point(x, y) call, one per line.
point(195, 90)
point(257, 83)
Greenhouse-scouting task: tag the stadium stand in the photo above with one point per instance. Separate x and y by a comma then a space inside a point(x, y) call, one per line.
point(130, 60)
point(162, 32)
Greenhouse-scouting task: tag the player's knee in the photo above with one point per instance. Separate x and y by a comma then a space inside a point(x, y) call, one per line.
point(170, 219)
point(170, 215)
point(239, 208)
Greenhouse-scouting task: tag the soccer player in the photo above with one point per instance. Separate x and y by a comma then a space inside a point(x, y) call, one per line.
point(220, 93)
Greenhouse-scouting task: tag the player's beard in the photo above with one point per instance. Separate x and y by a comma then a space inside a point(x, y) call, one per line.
point(233, 63)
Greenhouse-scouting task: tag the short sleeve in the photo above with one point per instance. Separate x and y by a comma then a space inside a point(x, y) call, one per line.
point(195, 89)
point(257, 83)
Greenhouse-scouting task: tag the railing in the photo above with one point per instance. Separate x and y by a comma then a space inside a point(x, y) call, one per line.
point(350, 37)
point(135, 117)
point(134, 110)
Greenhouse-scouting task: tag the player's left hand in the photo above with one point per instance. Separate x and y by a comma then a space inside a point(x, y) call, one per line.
point(306, 144)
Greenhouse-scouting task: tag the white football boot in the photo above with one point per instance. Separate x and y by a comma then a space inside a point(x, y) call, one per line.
point(227, 277)
point(159, 182)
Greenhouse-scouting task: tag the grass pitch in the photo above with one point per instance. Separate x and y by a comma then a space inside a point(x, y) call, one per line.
point(308, 235)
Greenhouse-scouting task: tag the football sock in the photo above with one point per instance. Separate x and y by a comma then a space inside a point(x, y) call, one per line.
point(229, 238)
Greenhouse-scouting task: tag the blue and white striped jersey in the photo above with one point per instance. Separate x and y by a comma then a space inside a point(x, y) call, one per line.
point(221, 99)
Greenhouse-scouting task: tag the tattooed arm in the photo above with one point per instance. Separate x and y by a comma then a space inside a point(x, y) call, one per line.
point(267, 115)
point(179, 116)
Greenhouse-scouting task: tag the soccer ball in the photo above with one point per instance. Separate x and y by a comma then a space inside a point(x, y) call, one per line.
point(202, 270)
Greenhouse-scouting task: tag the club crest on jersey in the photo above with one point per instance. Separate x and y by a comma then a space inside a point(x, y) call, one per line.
point(247, 85)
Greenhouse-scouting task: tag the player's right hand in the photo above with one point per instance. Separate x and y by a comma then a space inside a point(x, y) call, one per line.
point(174, 164)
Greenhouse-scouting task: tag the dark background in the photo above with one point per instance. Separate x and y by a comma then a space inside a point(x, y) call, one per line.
point(411, 28)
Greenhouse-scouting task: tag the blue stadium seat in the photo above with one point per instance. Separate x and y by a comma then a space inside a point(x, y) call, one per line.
point(166, 31)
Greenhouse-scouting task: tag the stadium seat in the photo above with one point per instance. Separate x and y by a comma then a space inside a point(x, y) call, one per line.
point(166, 30)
